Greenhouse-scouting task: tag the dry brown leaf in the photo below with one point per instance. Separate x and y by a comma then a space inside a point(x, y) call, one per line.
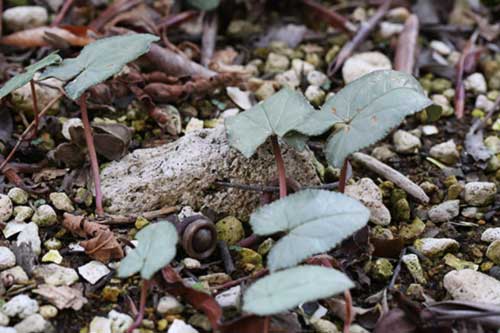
point(63, 297)
point(40, 36)
point(102, 245)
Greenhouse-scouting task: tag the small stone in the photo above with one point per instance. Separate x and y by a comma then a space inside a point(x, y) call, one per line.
point(411, 231)
point(389, 29)
point(413, 265)
point(317, 78)
point(229, 298)
point(276, 63)
point(440, 47)
point(406, 143)
point(473, 286)
point(93, 271)
point(100, 325)
point(383, 153)
point(200, 321)
point(5, 208)
point(56, 275)
point(445, 211)
point(140, 223)
point(7, 258)
point(120, 322)
point(382, 269)
point(21, 306)
point(458, 263)
point(302, 67)
point(48, 311)
point(265, 246)
point(34, 324)
point(111, 293)
point(491, 235)
point(29, 235)
point(324, 326)
point(249, 260)
point(401, 210)
point(445, 152)
point(25, 17)
point(178, 326)
point(45, 216)
point(363, 63)
point(169, 305)
point(483, 103)
point(16, 273)
point(476, 83)
point(472, 213)
point(288, 78)
point(12, 228)
point(265, 91)
point(52, 256)
point(215, 278)
point(480, 193)
point(366, 191)
point(493, 252)
point(492, 142)
point(194, 124)
point(315, 95)
point(230, 230)
point(398, 14)
point(18, 196)
point(191, 263)
point(241, 98)
point(52, 244)
point(429, 130)
point(455, 190)
point(440, 85)
point(434, 247)
point(61, 201)
point(4, 320)
point(22, 213)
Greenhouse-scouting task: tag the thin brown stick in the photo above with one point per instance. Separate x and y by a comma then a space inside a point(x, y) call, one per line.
point(35, 107)
point(116, 8)
point(406, 50)
point(62, 13)
point(468, 50)
point(331, 17)
point(348, 311)
point(363, 32)
point(124, 219)
point(176, 19)
point(343, 175)
point(94, 163)
point(27, 131)
point(1, 15)
point(236, 282)
point(209, 38)
point(142, 306)
point(280, 164)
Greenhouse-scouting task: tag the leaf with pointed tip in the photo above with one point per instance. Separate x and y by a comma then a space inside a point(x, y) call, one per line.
point(99, 61)
point(156, 248)
point(286, 289)
point(284, 114)
point(204, 4)
point(314, 221)
point(368, 108)
point(21, 79)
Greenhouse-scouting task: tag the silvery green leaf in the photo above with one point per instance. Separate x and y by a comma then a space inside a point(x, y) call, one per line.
point(285, 113)
point(21, 79)
point(99, 61)
point(314, 221)
point(286, 289)
point(204, 4)
point(369, 108)
point(156, 248)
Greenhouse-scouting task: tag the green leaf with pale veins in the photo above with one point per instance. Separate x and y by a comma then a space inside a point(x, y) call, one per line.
point(156, 249)
point(286, 114)
point(21, 79)
point(99, 61)
point(314, 221)
point(286, 289)
point(368, 108)
point(204, 4)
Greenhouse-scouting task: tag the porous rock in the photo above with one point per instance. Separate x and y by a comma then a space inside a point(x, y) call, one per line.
point(184, 171)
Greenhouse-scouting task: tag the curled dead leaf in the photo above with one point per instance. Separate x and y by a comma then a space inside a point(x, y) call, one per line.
point(42, 36)
point(102, 245)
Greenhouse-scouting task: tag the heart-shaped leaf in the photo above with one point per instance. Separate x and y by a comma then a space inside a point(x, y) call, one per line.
point(368, 108)
point(21, 79)
point(286, 289)
point(156, 248)
point(98, 61)
point(204, 4)
point(285, 114)
point(314, 222)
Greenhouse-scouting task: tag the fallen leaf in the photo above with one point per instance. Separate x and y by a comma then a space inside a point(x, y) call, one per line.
point(63, 297)
point(102, 245)
point(40, 36)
